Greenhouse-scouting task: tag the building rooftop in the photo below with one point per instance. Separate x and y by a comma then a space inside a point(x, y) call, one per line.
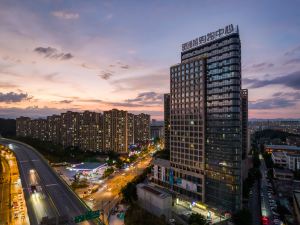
point(87, 166)
point(157, 123)
point(283, 147)
point(162, 162)
point(285, 171)
point(278, 154)
point(155, 191)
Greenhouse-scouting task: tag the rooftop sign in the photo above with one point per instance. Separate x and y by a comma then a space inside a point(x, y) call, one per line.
point(209, 37)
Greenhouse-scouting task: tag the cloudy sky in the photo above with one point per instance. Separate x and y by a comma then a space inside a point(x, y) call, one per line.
point(96, 55)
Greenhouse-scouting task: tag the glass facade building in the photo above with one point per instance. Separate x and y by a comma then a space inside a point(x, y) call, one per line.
point(206, 121)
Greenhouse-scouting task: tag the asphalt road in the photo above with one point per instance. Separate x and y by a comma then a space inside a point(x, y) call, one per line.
point(108, 195)
point(54, 198)
point(264, 191)
point(254, 204)
point(4, 192)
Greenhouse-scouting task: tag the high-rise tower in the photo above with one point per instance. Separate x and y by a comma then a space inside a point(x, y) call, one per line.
point(206, 120)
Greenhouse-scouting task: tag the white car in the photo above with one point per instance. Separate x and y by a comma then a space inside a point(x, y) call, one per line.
point(277, 221)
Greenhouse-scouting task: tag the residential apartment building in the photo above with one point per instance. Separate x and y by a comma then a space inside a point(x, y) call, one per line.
point(130, 128)
point(141, 128)
point(91, 131)
point(70, 122)
point(54, 128)
point(22, 125)
point(115, 131)
point(91, 137)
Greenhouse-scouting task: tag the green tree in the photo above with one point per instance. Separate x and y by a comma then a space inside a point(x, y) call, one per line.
point(242, 217)
point(197, 219)
point(108, 172)
point(129, 192)
point(7, 127)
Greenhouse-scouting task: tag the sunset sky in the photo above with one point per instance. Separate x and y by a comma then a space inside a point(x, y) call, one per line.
point(96, 55)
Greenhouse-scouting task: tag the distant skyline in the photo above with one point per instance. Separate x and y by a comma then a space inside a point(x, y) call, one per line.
point(93, 55)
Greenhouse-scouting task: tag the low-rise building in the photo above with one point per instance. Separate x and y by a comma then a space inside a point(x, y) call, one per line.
point(296, 204)
point(161, 172)
point(154, 200)
point(282, 148)
point(283, 174)
point(88, 168)
point(279, 158)
point(286, 160)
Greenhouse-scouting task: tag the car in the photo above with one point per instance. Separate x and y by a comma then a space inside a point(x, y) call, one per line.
point(188, 213)
point(172, 220)
point(275, 217)
point(33, 189)
point(277, 221)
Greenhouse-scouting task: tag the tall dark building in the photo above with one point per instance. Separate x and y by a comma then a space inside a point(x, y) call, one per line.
point(206, 120)
point(167, 120)
point(244, 97)
point(115, 131)
point(130, 128)
point(141, 128)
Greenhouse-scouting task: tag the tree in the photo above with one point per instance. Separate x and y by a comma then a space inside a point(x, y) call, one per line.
point(129, 192)
point(7, 127)
point(242, 217)
point(197, 219)
point(108, 172)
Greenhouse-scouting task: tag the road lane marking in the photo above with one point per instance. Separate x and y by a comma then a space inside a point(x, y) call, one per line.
point(26, 161)
point(48, 185)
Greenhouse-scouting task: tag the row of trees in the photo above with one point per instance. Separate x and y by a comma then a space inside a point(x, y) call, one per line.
point(7, 127)
point(254, 173)
point(56, 153)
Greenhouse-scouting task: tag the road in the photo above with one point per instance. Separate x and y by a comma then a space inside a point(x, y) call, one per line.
point(264, 192)
point(54, 198)
point(108, 195)
point(254, 204)
point(4, 192)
